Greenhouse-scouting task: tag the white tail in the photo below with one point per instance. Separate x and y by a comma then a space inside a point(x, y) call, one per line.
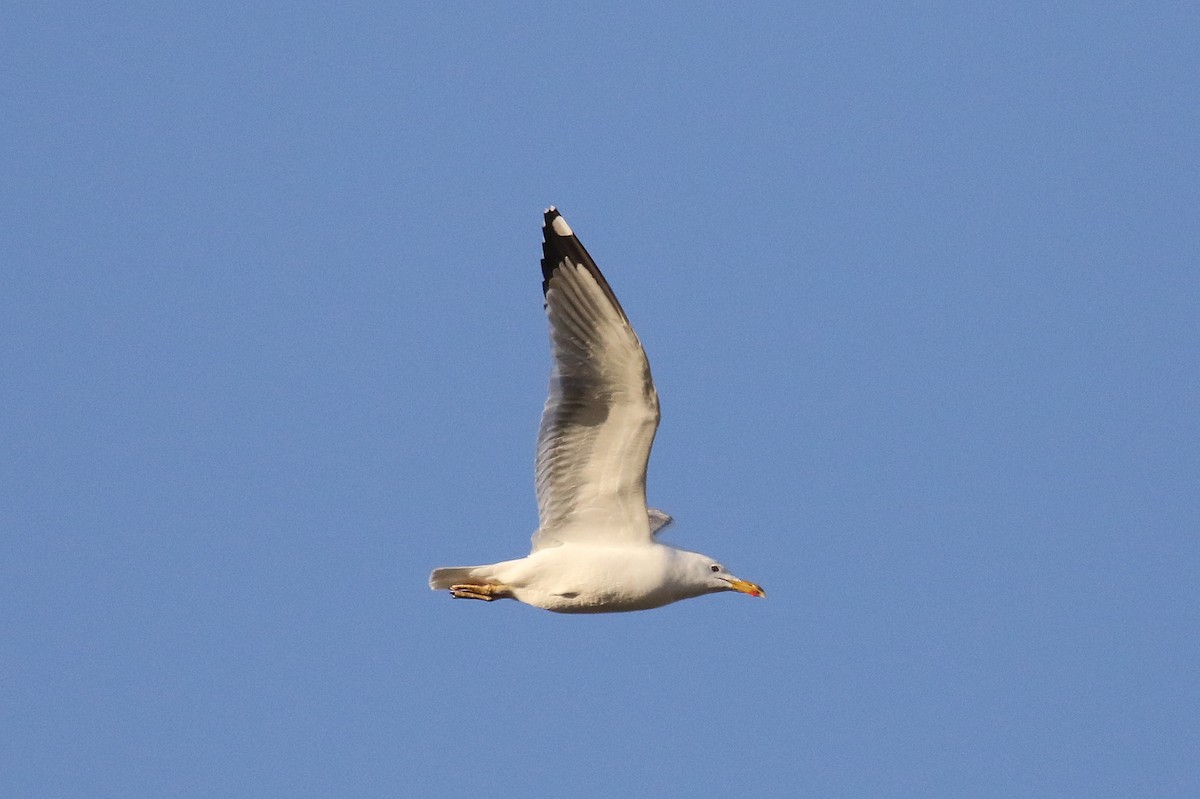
point(454, 575)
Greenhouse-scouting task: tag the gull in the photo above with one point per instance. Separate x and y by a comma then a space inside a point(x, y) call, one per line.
point(596, 548)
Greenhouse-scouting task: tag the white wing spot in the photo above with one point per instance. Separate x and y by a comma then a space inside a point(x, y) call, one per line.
point(561, 227)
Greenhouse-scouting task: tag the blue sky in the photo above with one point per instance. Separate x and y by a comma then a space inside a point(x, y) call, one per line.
point(919, 285)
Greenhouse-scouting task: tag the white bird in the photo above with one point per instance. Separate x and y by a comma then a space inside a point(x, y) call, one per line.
point(595, 549)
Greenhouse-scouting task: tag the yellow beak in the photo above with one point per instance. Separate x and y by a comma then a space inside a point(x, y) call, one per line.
point(746, 588)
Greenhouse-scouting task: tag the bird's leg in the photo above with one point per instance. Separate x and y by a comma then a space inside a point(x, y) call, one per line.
point(486, 592)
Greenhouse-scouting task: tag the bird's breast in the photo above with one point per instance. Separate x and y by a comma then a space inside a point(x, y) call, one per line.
point(589, 579)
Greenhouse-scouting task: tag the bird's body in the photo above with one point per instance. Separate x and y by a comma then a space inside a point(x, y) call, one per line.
point(595, 550)
point(585, 578)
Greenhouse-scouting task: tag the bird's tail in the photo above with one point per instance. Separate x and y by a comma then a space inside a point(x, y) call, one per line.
point(456, 575)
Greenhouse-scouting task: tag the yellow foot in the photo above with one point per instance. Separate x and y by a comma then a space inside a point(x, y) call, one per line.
point(485, 592)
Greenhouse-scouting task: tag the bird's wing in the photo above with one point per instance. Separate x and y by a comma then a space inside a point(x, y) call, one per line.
point(659, 520)
point(602, 412)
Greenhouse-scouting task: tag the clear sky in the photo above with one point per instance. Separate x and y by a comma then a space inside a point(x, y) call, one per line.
point(920, 286)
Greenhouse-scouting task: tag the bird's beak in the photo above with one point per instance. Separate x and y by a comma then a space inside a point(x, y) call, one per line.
point(746, 588)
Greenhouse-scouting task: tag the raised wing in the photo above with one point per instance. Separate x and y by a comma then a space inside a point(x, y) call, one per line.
point(599, 421)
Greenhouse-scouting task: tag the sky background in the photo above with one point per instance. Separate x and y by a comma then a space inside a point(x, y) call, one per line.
point(920, 286)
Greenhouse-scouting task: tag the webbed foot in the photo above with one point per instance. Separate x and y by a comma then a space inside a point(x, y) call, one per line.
point(486, 592)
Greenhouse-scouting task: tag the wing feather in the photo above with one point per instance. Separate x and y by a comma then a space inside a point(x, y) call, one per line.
point(602, 411)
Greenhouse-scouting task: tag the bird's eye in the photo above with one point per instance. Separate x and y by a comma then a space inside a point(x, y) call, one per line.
point(715, 567)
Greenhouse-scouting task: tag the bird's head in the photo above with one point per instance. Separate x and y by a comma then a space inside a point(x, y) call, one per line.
point(709, 572)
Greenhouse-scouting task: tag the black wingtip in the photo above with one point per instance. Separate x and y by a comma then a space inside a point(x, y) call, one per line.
point(556, 224)
point(560, 245)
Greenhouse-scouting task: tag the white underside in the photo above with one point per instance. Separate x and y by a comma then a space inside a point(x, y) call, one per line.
point(586, 578)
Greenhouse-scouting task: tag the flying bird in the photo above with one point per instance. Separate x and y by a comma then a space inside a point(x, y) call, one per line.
point(596, 548)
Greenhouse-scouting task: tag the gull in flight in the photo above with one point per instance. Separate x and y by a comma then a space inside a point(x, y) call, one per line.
point(595, 550)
